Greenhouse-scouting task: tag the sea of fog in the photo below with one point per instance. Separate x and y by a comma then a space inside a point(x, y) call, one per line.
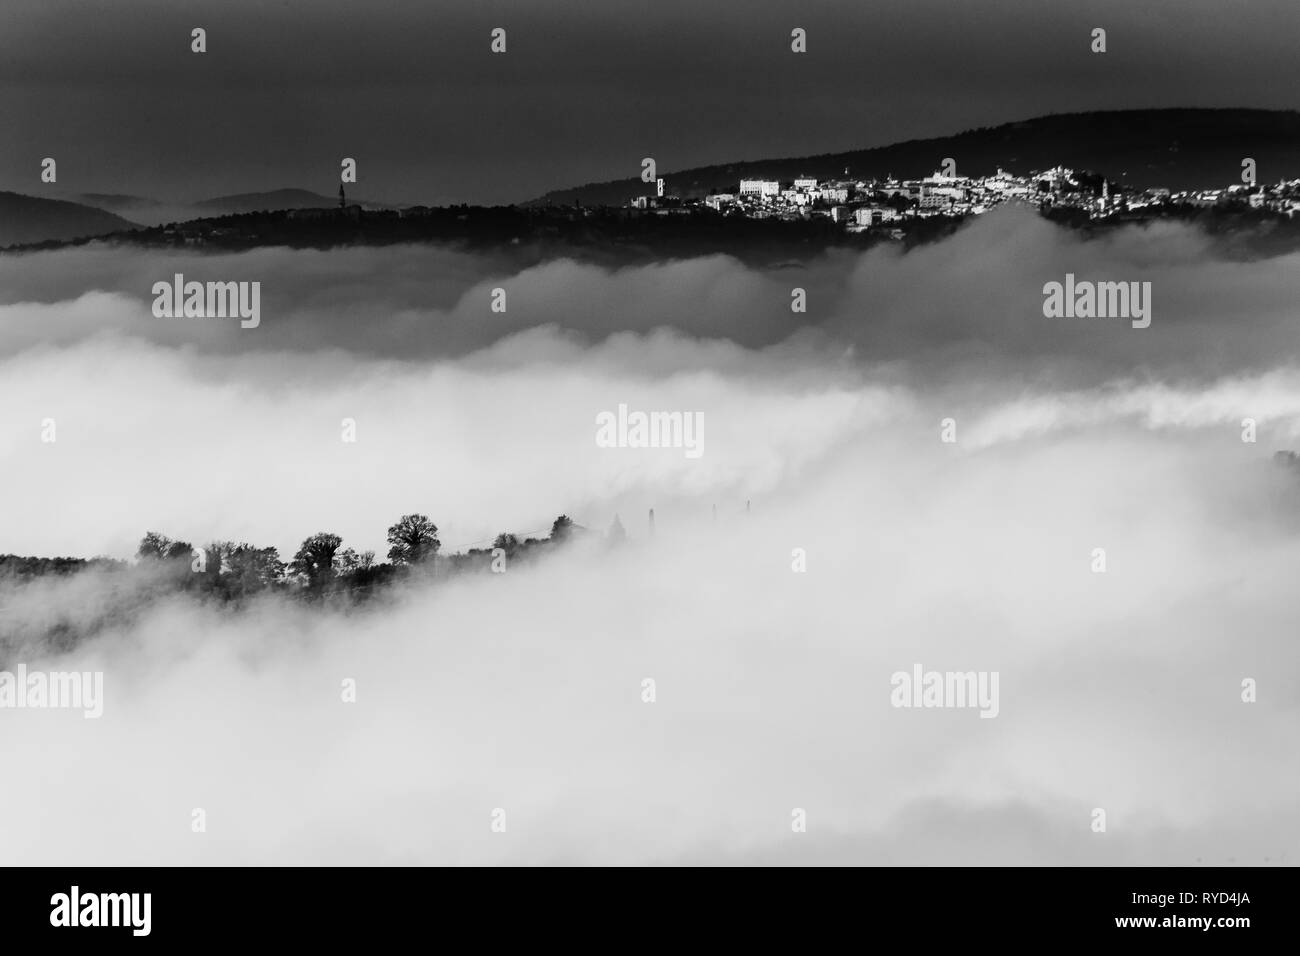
point(827, 538)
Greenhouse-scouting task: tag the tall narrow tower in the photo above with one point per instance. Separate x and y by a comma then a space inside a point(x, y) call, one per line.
point(652, 522)
point(342, 197)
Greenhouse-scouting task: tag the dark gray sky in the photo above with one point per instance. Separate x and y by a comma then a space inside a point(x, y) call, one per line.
point(586, 89)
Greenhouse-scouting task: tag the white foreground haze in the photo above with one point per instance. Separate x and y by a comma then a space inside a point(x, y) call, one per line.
point(523, 691)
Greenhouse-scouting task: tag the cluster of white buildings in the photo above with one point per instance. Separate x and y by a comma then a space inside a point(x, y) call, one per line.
point(860, 204)
point(865, 204)
point(1283, 197)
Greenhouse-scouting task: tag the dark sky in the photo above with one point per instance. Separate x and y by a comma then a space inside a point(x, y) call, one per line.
point(586, 89)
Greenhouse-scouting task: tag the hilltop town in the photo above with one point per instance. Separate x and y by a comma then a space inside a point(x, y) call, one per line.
point(859, 205)
point(760, 219)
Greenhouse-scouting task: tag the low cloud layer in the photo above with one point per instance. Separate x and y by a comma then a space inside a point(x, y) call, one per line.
point(1119, 690)
point(972, 304)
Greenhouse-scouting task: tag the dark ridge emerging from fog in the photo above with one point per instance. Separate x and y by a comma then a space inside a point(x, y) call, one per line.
point(26, 219)
point(263, 201)
point(116, 202)
point(278, 199)
point(1176, 148)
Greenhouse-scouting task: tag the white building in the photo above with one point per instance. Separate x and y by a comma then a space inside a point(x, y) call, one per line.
point(762, 188)
point(1056, 177)
point(874, 215)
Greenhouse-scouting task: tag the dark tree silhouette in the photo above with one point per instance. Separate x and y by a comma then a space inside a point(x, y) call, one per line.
point(216, 557)
point(413, 540)
point(345, 562)
point(315, 558)
point(159, 547)
point(153, 546)
point(348, 561)
point(562, 529)
point(507, 542)
point(254, 569)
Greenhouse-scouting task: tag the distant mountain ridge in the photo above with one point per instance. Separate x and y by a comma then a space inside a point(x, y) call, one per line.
point(264, 201)
point(1174, 148)
point(151, 212)
point(114, 202)
point(25, 219)
point(278, 199)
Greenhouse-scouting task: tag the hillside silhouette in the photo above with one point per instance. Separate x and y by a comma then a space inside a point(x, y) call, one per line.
point(26, 219)
point(1174, 148)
